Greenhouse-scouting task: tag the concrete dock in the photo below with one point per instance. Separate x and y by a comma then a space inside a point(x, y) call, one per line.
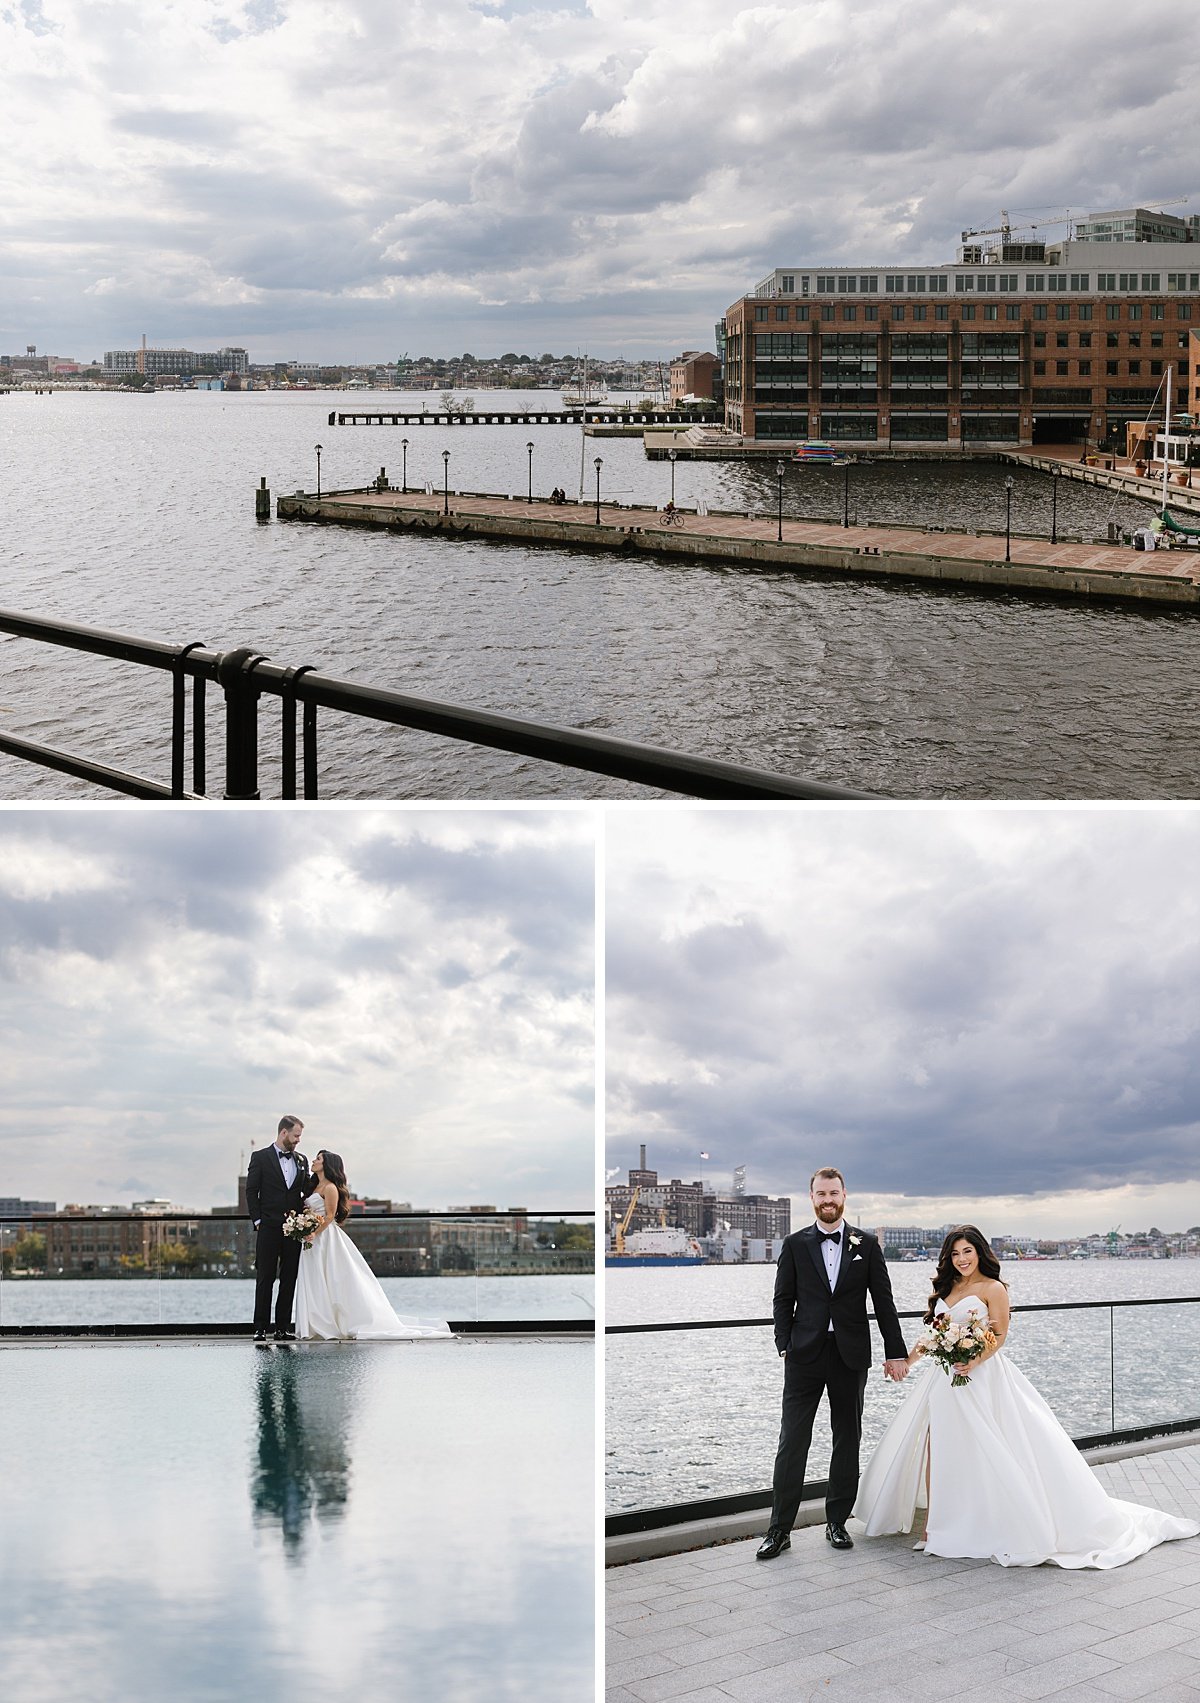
point(1069, 569)
point(881, 1622)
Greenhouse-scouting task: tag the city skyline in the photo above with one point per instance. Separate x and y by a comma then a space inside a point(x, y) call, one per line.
point(977, 1016)
point(564, 173)
point(418, 988)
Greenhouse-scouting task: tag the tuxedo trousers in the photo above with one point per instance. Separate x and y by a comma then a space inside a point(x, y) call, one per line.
point(275, 1256)
point(804, 1383)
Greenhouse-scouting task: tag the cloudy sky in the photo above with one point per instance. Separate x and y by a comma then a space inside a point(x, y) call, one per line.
point(361, 178)
point(981, 1015)
point(417, 986)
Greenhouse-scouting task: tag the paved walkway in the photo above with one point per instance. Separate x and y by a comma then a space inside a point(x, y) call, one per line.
point(883, 1623)
point(889, 540)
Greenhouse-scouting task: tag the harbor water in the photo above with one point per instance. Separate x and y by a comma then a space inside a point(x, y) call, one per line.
point(694, 1414)
point(228, 1300)
point(136, 513)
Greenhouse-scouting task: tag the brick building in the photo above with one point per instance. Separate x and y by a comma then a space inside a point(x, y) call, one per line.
point(1018, 345)
point(695, 374)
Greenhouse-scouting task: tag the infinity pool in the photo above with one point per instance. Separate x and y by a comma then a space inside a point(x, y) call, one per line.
point(211, 1521)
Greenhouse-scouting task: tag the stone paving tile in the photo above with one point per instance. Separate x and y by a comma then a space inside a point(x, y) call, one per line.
point(647, 1666)
point(1147, 1641)
point(1051, 1677)
point(1156, 1676)
point(790, 1682)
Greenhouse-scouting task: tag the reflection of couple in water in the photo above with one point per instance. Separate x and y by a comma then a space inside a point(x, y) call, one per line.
point(337, 1295)
point(998, 1476)
point(302, 1465)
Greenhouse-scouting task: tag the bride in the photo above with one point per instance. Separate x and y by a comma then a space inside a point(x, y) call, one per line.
point(337, 1293)
point(1002, 1480)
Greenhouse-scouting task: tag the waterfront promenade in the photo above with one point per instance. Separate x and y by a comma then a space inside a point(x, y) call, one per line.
point(1071, 568)
point(882, 1622)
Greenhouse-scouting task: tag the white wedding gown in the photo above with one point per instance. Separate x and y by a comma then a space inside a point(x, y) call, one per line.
point(338, 1295)
point(1006, 1482)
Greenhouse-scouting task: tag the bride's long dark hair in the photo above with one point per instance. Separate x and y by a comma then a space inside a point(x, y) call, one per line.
point(335, 1173)
point(945, 1277)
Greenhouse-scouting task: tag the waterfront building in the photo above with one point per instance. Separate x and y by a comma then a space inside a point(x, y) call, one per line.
point(1013, 346)
point(174, 363)
point(695, 375)
point(899, 1239)
point(1137, 224)
point(695, 1207)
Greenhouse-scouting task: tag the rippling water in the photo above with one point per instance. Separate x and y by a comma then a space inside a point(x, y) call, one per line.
point(203, 1300)
point(136, 513)
point(695, 1414)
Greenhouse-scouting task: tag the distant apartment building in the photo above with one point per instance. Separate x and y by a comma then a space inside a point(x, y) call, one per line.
point(695, 374)
point(1137, 224)
point(908, 1237)
point(1017, 345)
point(175, 363)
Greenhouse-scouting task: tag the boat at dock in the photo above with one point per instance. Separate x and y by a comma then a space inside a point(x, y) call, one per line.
point(657, 1245)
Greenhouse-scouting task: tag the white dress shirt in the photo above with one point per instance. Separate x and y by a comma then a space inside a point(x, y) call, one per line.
point(832, 1252)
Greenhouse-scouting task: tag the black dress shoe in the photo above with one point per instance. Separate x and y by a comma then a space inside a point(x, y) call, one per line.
point(285, 1336)
point(775, 1542)
point(838, 1536)
point(260, 1336)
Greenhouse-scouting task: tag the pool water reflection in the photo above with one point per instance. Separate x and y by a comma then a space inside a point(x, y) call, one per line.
point(213, 1521)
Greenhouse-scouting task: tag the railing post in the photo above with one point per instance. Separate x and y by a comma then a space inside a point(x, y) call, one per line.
point(235, 669)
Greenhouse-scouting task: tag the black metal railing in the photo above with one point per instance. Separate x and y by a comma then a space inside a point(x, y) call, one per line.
point(657, 1518)
point(245, 676)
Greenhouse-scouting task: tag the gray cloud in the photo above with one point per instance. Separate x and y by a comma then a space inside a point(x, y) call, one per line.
point(989, 1004)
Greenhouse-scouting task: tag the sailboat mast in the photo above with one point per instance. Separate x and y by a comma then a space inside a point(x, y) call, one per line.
point(583, 430)
point(1166, 446)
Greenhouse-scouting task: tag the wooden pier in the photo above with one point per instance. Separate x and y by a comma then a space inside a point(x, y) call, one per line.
point(1071, 568)
point(518, 417)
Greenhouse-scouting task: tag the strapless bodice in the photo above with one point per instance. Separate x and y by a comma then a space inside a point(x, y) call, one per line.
point(315, 1203)
point(968, 1302)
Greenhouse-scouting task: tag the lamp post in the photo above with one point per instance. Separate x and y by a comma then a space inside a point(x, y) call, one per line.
point(672, 456)
point(599, 463)
point(779, 472)
point(846, 496)
point(1054, 507)
point(1008, 485)
point(318, 472)
point(404, 473)
point(445, 481)
point(529, 447)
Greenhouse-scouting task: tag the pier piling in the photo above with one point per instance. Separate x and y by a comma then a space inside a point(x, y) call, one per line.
point(262, 501)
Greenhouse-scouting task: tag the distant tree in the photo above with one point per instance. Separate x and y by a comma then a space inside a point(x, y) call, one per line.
point(545, 360)
point(177, 1256)
point(468, 360)
point(891, 1251)
point(447, 401)
point(7, 1261)
point(29, 1252)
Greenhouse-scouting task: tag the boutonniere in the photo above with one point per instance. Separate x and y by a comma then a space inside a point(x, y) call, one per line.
point(854, 1240)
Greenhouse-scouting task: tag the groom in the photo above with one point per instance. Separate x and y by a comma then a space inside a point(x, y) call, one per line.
point(277, 1180)
point(825, 1273)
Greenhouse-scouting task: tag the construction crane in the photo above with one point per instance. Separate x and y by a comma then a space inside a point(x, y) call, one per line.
point(1006, 228)
point(623, 1226)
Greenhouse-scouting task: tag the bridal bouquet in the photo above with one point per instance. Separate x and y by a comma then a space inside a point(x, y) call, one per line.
point(299, 1226)
point(953, 1345)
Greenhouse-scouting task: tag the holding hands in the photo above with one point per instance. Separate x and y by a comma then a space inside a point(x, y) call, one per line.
point(896, 1370)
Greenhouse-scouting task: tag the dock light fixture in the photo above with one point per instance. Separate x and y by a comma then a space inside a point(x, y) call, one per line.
point(445, 481)
point(318, 472)
point(846, 495)
point(404, 470)
point(672, 457)
point(599, 463)
point(780, 469)
point(1008, 485)
point(529, 447)
point(1054, 507)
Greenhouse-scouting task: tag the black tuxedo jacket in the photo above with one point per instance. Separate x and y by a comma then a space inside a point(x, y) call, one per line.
point(268, 1197)
point(805, 1305)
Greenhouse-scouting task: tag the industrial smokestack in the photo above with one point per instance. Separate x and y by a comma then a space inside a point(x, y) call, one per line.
point(642, 1151)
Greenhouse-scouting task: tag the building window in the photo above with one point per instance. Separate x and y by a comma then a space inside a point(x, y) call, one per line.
point(916, 284)
point(1079, 280)
point(781, 313)
point(1183, 311)
point(1084, 310)
point(866, 285)
point(849, 313)
point(1156, 369)
point(789, 285)
point(990, 310)
point(895, 283)
point(1135, 366)
point(828, 312)
point(939, 285)
point(1157, 310)
point(1135, 310)
point(1061, 340)
point(1112, 310)
point(1112, 368)
point(1039, 310)
point(826, 286)
point(919, 310)
point(898, 311)
point(941, 310)
point(870, 311)
point(1062, 310)
point(1156, 339)
point(1039, 367)
point(968, 311)
point(847, 285)
point(1085, 339)
point(1085, 368)
point(1111, 340)
point(760, 313)
point(1034, 281)
point(1062, 368)
point(1106, 280)
point(1135, 339)
point(1039, 339)
point(1012, 311)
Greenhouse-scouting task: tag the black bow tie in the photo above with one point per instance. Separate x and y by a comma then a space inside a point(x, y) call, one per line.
point(830, 1235)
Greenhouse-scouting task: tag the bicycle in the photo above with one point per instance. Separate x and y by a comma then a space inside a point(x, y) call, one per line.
point(671, 516)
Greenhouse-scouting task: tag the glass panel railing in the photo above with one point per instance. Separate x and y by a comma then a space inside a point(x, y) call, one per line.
point(158, 1269)
point(693, 1408)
